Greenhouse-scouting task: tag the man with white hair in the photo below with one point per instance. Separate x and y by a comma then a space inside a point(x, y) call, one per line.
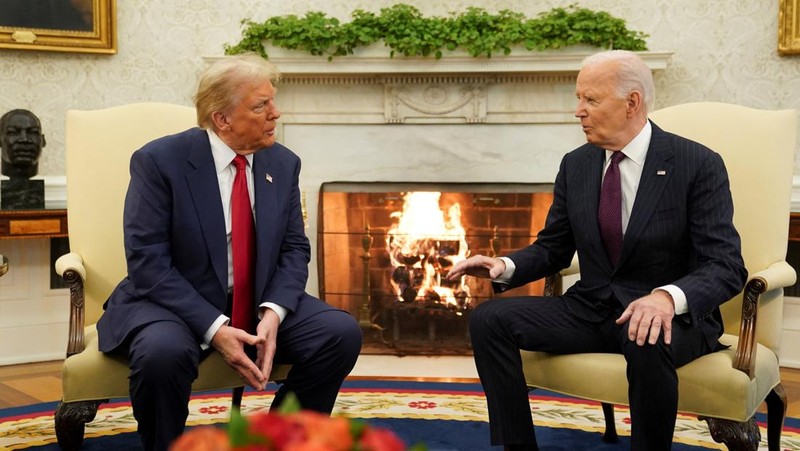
point(650, 216)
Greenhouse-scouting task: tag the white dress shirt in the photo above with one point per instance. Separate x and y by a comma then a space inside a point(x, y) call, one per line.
point(226, 172)
point(630, 169)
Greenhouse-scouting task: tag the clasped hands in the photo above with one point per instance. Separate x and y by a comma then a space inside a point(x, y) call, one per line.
point(230, 342)
point(648, 316)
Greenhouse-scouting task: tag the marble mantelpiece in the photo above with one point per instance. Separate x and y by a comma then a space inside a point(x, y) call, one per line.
point(458, 119)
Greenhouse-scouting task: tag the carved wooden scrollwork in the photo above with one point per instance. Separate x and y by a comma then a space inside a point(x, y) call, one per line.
point(745, 358)
point(70, 421)
point(77, 312)
point(737, 436)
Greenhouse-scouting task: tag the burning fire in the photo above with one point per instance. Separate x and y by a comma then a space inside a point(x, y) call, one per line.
point(423, 244)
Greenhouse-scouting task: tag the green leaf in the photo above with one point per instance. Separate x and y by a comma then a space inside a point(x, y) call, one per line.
point(290, 404)
point(237, 429)
point(405, 31)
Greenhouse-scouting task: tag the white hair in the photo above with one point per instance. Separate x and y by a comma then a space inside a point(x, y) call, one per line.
point(632, 74)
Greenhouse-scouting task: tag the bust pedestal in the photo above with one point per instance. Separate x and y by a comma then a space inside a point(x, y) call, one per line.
point(21, 194)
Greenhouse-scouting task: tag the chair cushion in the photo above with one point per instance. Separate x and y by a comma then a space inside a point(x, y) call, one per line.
point(109, 374)
point(708, 386)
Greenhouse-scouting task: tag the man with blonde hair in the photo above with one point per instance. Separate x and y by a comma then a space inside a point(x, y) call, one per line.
point(650, 216)
point(218, 261)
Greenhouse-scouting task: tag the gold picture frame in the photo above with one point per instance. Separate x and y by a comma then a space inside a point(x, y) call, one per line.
point(789, 27)
point(89, 26)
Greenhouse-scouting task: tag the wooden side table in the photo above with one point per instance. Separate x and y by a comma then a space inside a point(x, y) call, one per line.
point(16, 224)
point(794, 227)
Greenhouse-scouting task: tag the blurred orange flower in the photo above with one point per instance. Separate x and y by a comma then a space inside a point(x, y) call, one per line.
point(291, 429)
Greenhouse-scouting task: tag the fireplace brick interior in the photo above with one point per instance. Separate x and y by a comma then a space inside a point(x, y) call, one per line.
point(356, 270)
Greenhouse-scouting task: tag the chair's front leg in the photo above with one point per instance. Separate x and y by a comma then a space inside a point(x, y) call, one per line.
point(70, 419)
point(737, 436)
point(776, 413)
point(610, 435)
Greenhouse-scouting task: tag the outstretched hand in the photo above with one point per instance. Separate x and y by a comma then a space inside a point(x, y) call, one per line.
point(649, 316)
point(229, 342)
point(478, 266)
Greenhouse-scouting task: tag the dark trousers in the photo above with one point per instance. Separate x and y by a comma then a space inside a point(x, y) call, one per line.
point(500, 328)
point(321, 343)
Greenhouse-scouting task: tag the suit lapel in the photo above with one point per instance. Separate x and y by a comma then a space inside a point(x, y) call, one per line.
point(266, 206)
point(206, 197)
point(655, 175)
point(592, 173)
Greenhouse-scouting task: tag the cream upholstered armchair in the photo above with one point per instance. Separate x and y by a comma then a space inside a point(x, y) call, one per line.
point(98, 148)
point(723, 388)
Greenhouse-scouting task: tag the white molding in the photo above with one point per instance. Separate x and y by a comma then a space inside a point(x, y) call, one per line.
point(55, 191)
point(377, 61)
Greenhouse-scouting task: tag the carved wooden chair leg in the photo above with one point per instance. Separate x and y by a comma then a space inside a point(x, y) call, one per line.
point(776, 413)
point(70, 422)
point(610, 435)
point(236, 399)
point(737, 436)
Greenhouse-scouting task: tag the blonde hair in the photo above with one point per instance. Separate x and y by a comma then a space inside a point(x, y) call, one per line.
point(632, 74)
point(219, 86)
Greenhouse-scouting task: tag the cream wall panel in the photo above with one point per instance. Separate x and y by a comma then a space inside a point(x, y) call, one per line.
point(725, 50)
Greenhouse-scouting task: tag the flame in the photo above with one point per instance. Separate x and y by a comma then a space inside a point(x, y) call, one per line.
point(423, 244)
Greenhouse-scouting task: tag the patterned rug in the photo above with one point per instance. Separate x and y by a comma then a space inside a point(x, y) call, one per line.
point(445, 416)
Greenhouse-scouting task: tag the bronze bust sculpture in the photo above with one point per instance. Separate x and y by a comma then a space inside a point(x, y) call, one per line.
point(21, 143)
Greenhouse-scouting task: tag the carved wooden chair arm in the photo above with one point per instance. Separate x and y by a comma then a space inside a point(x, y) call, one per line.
point(70, 268)
point(776, 277)
point(553, 285)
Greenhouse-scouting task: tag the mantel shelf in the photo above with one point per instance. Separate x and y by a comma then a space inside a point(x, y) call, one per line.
point(294, 63)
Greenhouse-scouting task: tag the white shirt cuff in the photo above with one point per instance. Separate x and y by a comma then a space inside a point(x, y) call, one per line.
point(221, 320)
point(508, 273)
point(280, 310)
point(678, 297)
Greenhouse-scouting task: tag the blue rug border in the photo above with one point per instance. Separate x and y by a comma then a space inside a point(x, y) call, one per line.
point(49, 407)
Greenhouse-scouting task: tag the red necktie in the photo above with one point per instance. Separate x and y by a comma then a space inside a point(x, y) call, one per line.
point(243, 248)
point(609, 211)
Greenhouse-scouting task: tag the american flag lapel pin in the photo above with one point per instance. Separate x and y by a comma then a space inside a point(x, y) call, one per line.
point(661, 172)
point(269, 178)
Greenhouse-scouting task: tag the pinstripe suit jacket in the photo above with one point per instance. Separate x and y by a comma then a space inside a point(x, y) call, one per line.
point(680, 232)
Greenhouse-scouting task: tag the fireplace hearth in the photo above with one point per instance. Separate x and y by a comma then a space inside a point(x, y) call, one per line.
point(384, 250)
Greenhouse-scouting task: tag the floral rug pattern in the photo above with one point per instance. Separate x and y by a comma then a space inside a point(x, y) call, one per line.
point(28, 430)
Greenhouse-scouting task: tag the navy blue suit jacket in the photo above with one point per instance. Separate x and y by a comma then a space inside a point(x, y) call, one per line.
point(680, 232)
point(175, 240)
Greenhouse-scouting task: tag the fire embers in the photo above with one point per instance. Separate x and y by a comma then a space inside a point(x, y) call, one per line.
point(423, 244)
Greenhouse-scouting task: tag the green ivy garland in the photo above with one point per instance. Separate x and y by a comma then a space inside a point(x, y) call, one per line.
point(406, 32)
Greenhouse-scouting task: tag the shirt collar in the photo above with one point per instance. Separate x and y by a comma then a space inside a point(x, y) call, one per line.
point(223, 155)
point(636, 150)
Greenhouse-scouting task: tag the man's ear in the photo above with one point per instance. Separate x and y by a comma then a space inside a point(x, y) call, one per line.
point(634, 103)
point(220, 120)
point(44, 141)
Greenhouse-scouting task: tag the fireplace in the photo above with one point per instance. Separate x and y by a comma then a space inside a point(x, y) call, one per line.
point(383, 250)
point(492, 122)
